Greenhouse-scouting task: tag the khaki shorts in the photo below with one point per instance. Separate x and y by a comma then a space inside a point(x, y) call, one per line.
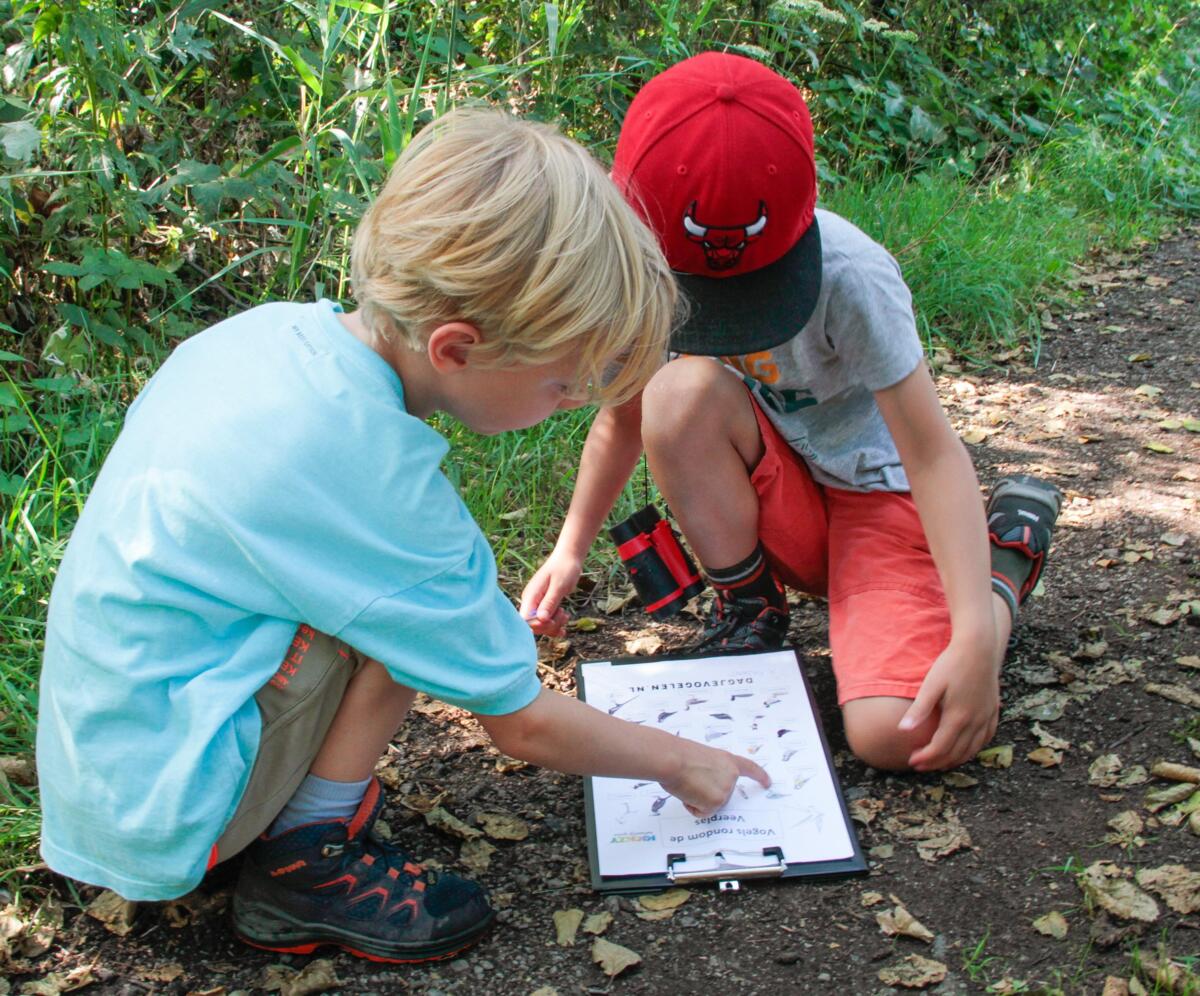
point(297, 705)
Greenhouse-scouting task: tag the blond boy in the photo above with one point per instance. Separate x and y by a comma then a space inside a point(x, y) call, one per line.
point(271, 565)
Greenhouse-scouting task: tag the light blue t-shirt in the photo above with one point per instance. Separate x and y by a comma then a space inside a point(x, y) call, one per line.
point(268, 475)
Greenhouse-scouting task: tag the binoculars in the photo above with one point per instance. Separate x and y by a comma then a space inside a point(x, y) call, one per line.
point(662, 572)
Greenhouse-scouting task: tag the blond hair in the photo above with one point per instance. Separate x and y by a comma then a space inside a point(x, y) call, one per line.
point(511, 226)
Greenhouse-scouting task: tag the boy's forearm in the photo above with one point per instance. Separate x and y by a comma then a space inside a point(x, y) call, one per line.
point(946, 493)
point(564, 734)
point(610, 453)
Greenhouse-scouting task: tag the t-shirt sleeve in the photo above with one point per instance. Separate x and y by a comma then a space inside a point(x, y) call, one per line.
point(869, 320)
point(455, 636)
point(371, 543)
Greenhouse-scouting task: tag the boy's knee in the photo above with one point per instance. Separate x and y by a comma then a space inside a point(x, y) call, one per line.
point(874, 736)
point(686, 394)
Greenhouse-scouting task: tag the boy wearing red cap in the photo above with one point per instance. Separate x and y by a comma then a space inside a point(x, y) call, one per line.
point(816, 454)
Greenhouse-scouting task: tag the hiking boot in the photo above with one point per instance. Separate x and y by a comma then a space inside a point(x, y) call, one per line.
point(337, 883)
point(736, 624)
point(1020, 516)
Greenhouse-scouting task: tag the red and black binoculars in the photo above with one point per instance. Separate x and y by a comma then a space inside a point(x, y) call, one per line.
point(662, 572)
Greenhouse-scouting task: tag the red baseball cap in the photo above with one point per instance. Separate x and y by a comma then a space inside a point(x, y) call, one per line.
point(716, 155)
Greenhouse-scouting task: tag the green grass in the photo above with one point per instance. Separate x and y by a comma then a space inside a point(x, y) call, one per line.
point(197, 167)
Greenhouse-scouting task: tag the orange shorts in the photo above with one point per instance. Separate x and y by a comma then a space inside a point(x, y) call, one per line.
point(866, 553)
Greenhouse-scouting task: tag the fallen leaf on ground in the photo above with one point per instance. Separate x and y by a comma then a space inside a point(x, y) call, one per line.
point(597, 923)
point(1125, 828)
point(1188, 660)
point(864, 810)
point(669, 900)
point(506, 765)
point(1178, 886)
point(476, 855)
point(566, 924)
point(935, 836)
point(161, 973)
point(1047, 757)
point(1052, 924)
point(975, 437)
point(996, 757)
point(113, 911)
point(60, 982)
point(650, 643)
point(615, 602)
point(545, 991)
point(420, 803)
point(872, 898)
point(1106, 885)
point(1048, 739)
point(1155, 447)
point(1166, 975)
point(1180, 811)
point(1176, 693)
point(882, 851)
point(1046, 705)
point(959, 780)
point(613, 959)
point(502, 826)
point(1157, 799)
point(1172, 772)
point(316, 977)
point(1104, 771)
point(586, 624)
point(444, 820)
point(1115, 987)
point(18, 769)
point(914, 972)
point(1147, 391)
point(898, 920)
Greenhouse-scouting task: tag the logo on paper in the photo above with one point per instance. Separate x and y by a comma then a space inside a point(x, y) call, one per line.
point(633, 838)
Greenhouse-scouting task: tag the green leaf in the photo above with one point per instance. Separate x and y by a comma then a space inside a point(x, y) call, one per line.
point(303, 68)
point(63, 269)
point(21, 139)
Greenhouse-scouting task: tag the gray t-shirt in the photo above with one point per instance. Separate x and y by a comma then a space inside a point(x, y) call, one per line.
point(817, 386)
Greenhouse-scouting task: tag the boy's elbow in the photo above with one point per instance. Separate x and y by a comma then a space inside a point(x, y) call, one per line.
point(516, 734)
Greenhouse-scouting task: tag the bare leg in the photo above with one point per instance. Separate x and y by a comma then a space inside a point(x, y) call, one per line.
point(371, 712)
point(702, 444)
point(872, 724)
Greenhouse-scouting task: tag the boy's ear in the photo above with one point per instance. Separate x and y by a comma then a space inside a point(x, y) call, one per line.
point(449, 346)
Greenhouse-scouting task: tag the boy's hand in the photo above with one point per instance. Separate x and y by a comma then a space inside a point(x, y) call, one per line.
point(541, 601)
point(964, 684)
point(707, 778)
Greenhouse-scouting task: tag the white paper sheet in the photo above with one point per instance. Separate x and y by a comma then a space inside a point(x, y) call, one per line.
point(752, 705)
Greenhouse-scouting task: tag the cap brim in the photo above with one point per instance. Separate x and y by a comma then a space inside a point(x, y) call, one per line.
point(753, 311)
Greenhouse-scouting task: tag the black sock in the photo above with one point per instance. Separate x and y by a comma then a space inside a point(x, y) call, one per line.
point(1010, 570)
point(749, 578)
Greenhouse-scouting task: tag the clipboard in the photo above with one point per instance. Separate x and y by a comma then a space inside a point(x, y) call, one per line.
point(725, 696)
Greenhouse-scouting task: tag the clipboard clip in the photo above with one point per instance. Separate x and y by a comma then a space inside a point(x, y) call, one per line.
point(725, 865)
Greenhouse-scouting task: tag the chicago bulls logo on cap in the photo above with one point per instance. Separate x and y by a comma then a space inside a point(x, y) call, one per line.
point(723, 244)
point(716, 155)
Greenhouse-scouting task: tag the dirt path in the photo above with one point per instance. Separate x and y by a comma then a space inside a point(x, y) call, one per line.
point(1101, 659)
